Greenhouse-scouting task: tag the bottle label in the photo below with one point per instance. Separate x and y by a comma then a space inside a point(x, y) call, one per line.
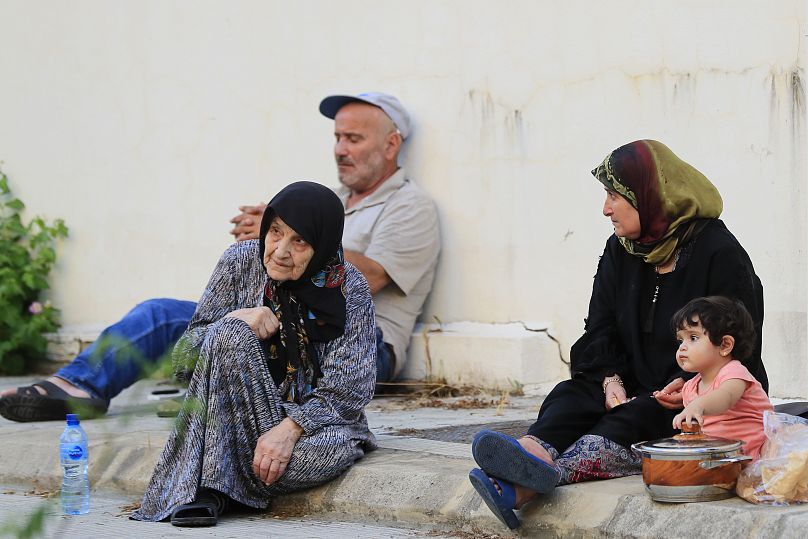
point(72, 452)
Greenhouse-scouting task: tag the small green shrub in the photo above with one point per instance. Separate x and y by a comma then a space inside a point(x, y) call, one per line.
point(26, 258)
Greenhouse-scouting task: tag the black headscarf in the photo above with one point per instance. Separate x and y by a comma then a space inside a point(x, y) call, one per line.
point(312, 307)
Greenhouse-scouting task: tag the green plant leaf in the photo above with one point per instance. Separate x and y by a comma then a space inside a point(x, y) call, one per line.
point(61, 229)
point(29, 280)
point(15, 204)
point(27, 255)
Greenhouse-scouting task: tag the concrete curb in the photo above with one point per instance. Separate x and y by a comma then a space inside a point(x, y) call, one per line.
point(394, 485)
point(388, 485)
point(409, 480)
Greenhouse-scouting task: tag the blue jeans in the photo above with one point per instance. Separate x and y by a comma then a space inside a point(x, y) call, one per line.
point(385, 359)
point(140, 339)
point(117, 359)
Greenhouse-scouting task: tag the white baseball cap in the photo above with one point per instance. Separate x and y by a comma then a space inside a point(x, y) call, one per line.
point(388, 103)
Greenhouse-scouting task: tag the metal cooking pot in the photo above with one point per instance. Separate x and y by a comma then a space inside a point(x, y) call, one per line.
point(691, 467)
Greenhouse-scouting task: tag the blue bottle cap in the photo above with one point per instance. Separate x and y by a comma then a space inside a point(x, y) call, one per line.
point(72, 419)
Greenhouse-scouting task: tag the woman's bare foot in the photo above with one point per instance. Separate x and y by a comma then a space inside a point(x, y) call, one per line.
point(69, 388)
point(524, 495)
point(536, 449)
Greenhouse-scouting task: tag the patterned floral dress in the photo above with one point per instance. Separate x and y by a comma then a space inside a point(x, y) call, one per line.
point(232, 399)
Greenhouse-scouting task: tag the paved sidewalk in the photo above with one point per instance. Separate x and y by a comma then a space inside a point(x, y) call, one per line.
point(107, 519)
point(418, 477)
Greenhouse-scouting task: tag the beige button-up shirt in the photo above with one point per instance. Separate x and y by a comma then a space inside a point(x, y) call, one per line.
point(396, 226)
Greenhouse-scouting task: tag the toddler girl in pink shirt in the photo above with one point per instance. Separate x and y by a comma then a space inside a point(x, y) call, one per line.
point(716, 335)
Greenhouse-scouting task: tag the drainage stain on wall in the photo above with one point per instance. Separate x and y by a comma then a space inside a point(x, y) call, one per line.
point(684, 91)
point(500, 127)
point(797, 100)
point(787, 92)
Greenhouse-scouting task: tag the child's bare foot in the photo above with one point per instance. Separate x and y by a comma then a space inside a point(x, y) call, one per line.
point(69, 388)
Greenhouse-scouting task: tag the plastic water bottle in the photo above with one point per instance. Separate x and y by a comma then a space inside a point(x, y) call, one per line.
point(73, 454)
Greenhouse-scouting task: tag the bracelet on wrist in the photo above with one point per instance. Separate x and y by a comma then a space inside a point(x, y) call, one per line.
point(611, 380)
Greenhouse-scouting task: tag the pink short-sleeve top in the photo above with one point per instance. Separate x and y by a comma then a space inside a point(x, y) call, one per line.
point(744, 421)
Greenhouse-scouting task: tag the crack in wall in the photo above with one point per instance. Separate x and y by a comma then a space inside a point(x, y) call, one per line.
point(546, 331)
point(427, 354)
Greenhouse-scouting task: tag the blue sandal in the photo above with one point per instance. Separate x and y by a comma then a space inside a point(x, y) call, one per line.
point(502, 457)
point(501, 502)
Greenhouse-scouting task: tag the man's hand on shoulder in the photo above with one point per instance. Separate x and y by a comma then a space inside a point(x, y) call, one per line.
point(248, 222)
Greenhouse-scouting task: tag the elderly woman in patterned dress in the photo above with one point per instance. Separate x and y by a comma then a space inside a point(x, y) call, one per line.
point(280, 359)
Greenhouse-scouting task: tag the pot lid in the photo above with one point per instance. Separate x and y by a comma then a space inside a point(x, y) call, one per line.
point(690, 443)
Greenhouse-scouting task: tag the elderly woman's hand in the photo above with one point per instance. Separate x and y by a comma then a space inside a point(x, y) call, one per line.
point(670, 396)
point(274, 449)
point(261, 320)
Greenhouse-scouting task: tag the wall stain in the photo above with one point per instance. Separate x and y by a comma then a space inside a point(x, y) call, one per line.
point(797, 112)
point(774, 112)
point(498, 123)
point(684, 91)
point(787, 116)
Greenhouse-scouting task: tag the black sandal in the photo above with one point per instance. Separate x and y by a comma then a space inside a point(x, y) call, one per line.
point(204, 511)
point(28, 404)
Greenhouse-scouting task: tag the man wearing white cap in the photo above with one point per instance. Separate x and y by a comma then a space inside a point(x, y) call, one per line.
point(391, 225)
point(391, 235)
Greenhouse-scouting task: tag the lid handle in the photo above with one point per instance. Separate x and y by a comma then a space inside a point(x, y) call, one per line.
point(691, 428)
point(690, 431)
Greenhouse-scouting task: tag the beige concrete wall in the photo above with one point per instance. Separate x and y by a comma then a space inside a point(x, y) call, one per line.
point(143, 124)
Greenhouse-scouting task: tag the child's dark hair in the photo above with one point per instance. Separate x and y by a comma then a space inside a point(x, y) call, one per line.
point(719, 316)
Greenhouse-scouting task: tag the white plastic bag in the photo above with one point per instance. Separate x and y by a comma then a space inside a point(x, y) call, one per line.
point(780, 476)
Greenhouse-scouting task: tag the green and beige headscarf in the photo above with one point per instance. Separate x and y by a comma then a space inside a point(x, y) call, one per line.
point(671, 196)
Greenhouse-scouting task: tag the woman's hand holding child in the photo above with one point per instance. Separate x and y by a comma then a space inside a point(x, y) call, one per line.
point(670, 396)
